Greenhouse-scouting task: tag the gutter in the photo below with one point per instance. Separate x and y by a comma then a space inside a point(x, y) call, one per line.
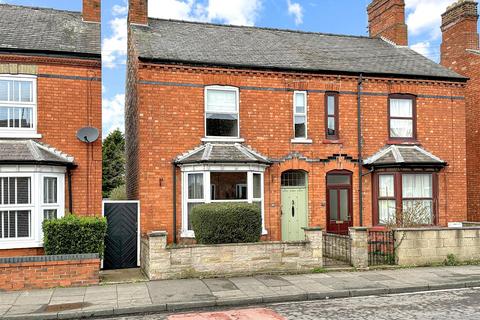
point(359, 144)
point(51, 53)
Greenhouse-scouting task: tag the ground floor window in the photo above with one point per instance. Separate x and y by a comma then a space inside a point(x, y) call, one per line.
point(219, 186)
point(406, 198)
point(28, 195)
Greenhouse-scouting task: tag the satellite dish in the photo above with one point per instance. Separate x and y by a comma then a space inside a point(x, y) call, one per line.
point(88, 134)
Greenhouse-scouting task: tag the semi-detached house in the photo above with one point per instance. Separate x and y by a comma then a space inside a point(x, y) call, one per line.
point(50, 87)
point(316, 129)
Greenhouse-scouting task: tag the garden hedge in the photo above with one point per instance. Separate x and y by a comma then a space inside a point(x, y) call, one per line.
point(74, 235)
point(217, 223)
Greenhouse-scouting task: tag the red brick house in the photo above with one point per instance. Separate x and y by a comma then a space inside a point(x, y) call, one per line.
point(317, 129)
point(460, 52)
point(50, 87)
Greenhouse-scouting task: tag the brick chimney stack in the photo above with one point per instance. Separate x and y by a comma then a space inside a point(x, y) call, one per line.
point(386, 18)
point(138, 12)
point(91, 10)
point(459, 33)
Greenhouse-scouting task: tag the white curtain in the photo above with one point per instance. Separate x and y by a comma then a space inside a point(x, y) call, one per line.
point(401, 128)
point(417, 186)
point(386, 211)
point(401, 108)
point(221, 101)
point(300, 102)
point(386, 185)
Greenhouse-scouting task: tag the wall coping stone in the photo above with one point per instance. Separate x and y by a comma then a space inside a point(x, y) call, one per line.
point(312, 228)
point(48, 258)
point(184, 246)
point(436, 229)
point(154, 234)
point(358, 228)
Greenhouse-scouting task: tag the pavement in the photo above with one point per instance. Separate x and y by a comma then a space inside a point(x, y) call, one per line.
point(188, 294)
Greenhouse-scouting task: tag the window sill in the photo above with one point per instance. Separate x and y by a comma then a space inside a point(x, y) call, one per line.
point(333, 141)
point(212, 139)
point(403, 141)
point(301, 141)
point(22, 135)
point(20, 244)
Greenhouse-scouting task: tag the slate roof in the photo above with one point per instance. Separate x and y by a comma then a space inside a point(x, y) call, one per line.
point(264, 48)
point(404, 156)
point(47, 30)
point(30, 151)
point(222, 153)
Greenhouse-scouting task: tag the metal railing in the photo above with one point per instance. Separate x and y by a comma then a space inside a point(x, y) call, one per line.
point(381, 248)
point(337, 250)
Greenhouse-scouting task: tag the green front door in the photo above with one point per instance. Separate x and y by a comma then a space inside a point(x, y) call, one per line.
point(294, 213)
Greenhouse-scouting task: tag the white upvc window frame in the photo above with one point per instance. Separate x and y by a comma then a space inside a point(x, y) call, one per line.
point(237, 106)
point(304, 139)
point(36, 174)
point(206, 170)
point(22, 132)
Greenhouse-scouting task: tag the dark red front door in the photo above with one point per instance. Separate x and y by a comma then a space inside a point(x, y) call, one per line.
point(339, 202)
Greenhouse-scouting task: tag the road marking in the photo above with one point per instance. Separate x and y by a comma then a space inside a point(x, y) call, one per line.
point(241, 314)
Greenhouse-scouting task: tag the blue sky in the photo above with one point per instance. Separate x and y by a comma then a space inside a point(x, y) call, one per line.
point(331, 16)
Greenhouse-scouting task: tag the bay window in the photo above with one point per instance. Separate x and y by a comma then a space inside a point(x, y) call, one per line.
point(28, 195)
point(406, 197)
point(18, 105)
point(221, 112)
point(217, 186)
point(402, 113)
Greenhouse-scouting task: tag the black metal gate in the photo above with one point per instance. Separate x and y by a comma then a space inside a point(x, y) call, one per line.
point(121, 243)
point(337, 250)
point(381, 247)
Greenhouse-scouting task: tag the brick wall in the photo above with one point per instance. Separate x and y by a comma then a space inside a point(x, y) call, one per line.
point(170, 121)
point(138, 11)
point(91, 10)
point(459, 37)
point(69, 98)
point(41, 272)
point(386, 18)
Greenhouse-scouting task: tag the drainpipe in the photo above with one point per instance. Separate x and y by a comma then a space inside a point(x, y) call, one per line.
point(70, 200)
point(360, 160)
point(174, 176)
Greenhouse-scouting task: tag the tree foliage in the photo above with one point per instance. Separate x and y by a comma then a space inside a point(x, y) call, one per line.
point(113, 166)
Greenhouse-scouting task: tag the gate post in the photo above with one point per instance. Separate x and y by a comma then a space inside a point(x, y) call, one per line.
point(314, 237)
point(359, 236)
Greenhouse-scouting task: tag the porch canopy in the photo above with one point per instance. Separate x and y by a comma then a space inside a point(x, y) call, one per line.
point(30, 152)
point(403, 156)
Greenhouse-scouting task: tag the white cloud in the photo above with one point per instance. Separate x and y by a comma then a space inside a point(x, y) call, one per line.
point(113, 113)
point(237, 12)
point(119, 10)
point(114, 48)
point(296, 10)
point(424, 48)
point(424, 16)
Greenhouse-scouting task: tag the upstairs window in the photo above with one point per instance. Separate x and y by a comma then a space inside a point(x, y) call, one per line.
point(331, 112)
point(221, 112)
point(17, 104)
point(300, 114)
point(402, 115)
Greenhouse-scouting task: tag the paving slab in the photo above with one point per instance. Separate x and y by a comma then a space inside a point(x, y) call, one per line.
point(219, 284)
point(179, 290)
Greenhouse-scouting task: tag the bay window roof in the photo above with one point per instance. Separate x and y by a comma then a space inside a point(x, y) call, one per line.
point(32, 152)
point(222, 153)
point(403, 156)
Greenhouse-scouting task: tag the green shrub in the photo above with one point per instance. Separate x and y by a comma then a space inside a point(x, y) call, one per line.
point(118, 193)
point(74, 235)
point(451, 260)
point(226, 223)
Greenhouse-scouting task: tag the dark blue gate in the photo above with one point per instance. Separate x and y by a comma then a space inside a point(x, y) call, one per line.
point(121, 243)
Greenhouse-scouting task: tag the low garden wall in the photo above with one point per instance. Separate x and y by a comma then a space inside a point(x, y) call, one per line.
point(420, 246)
point(40, 272)
point(160, 261)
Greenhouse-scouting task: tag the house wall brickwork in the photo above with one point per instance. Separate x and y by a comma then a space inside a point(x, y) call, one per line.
point(56, 271)
point(460, 39)
point(91, 10)
point(386, 18)
point(170, 121)
point(69, 98)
